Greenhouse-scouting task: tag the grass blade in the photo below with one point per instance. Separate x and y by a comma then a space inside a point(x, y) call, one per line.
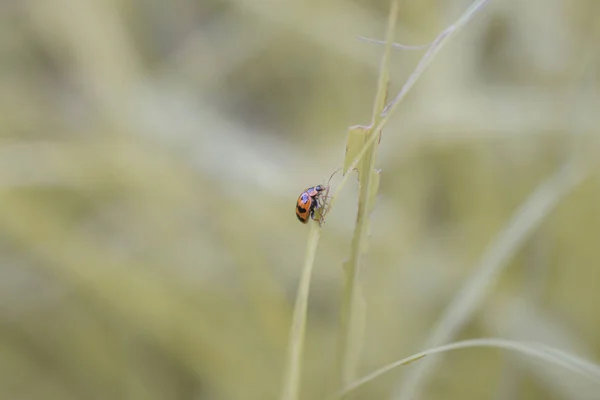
point(293, 369)
point(353, 307)
point(541, 351)
point(528, 217)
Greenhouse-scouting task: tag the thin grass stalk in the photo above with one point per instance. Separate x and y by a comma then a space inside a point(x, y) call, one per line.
point(538, 350)
point(523, 222)
point(293, 369)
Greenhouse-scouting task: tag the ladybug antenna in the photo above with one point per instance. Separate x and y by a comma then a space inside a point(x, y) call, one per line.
point(334, 172)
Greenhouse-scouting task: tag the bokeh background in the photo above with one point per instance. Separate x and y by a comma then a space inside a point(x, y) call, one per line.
point(151, 154)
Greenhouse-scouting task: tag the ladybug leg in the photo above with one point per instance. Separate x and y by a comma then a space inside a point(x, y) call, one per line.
point(313, 208)
point(322, 204)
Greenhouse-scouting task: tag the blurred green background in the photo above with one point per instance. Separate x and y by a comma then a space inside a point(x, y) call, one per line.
point(151, 153)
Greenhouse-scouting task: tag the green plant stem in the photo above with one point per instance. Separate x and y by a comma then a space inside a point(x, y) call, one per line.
point(292, 373)
point(366, 156)
point(352, 307)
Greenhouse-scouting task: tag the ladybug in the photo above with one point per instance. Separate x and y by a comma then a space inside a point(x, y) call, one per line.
point(311, 199)
point(308, 202)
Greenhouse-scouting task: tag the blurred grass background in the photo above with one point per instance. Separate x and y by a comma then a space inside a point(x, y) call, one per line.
point(151, 153)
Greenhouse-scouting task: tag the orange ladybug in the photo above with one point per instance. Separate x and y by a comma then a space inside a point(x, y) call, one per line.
point(308, 202)
point(311, 199)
